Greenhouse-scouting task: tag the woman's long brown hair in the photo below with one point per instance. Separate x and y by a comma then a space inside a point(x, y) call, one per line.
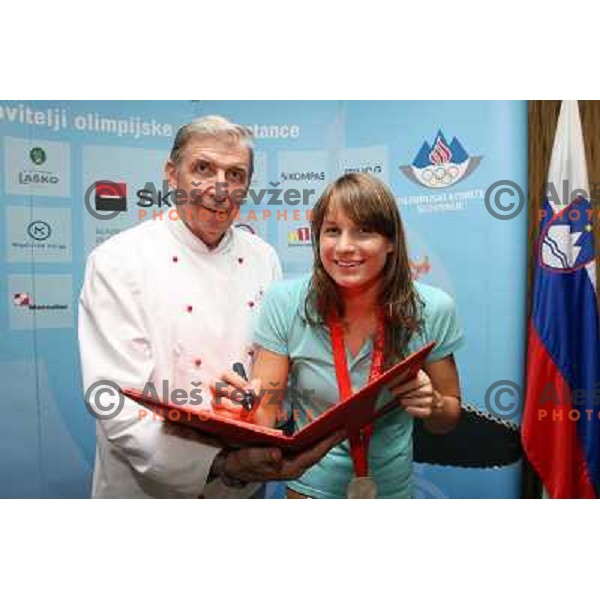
point(369, 203)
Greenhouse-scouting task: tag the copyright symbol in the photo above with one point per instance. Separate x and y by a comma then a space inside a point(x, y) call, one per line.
point(104, 186)
point(503, 409)
point(508, 209)
point(104, 399)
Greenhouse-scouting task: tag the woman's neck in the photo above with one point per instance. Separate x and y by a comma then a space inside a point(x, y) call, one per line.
point(360, 302)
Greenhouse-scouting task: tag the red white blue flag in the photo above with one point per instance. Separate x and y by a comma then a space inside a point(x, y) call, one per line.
point(561, 420)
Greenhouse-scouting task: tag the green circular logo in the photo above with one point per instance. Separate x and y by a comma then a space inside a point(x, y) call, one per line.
point(38, 156)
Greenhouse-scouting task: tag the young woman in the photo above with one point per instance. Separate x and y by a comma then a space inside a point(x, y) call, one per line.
point(358, 313)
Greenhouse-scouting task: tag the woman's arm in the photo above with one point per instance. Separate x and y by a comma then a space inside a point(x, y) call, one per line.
point(445, 389)
point(272, 370)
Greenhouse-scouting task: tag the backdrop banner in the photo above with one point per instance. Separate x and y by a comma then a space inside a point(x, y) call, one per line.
point(457, 168)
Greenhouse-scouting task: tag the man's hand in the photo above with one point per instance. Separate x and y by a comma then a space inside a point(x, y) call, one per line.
point(268, 464)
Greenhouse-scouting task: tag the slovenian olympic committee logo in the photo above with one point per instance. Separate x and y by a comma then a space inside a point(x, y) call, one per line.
point(441, 165)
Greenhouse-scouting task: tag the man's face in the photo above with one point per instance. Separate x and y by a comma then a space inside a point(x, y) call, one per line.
point(214, 174)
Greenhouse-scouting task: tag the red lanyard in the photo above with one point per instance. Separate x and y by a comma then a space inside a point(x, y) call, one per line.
point(359, 442)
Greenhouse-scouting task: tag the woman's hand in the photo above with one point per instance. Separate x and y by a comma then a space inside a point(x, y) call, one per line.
point(228, 394)
point(417, 396)
point(235, 398)
point(433, 395)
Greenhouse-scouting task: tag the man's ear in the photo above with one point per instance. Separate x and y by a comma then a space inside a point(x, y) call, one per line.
point(171, 173)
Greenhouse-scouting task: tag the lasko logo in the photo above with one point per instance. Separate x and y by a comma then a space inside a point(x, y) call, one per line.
point(567, 243)
point(110, 196)
point(441, 165)
point(36, 167)
point(299, 237)
point(37, 156)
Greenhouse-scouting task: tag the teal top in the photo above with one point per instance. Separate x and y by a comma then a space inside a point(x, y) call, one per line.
point(282, 328)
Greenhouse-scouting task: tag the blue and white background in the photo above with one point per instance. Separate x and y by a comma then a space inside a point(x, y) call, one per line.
point(438, 157)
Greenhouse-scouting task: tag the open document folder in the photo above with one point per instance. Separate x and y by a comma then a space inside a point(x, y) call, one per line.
point(353, 414)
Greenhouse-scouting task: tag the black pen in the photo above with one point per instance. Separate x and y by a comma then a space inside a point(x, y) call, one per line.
point(248, 399)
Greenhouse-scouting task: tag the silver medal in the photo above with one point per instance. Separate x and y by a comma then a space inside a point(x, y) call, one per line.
point(362, 488)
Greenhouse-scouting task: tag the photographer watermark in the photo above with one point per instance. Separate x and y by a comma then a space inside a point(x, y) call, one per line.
point(105, 399)
point(150, 196)
point(505, 399)
point(110, 199)
point(271, 396)
point(105, 199)
point(504, 199)
point(177, 415)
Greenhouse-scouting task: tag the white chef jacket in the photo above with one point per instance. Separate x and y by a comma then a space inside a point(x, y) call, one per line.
point(158, 306)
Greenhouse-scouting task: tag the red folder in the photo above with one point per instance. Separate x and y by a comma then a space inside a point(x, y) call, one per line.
point(351, 415)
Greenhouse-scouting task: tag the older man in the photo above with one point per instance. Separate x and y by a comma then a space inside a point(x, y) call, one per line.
point(170, 305)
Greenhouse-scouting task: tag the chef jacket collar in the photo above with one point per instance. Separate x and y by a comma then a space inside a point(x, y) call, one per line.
point(183, 234)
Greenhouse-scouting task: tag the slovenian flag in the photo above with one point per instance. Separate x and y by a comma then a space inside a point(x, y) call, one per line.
point(561, 419)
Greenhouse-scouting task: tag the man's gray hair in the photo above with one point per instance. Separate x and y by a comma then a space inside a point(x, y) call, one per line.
point(216, 127)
